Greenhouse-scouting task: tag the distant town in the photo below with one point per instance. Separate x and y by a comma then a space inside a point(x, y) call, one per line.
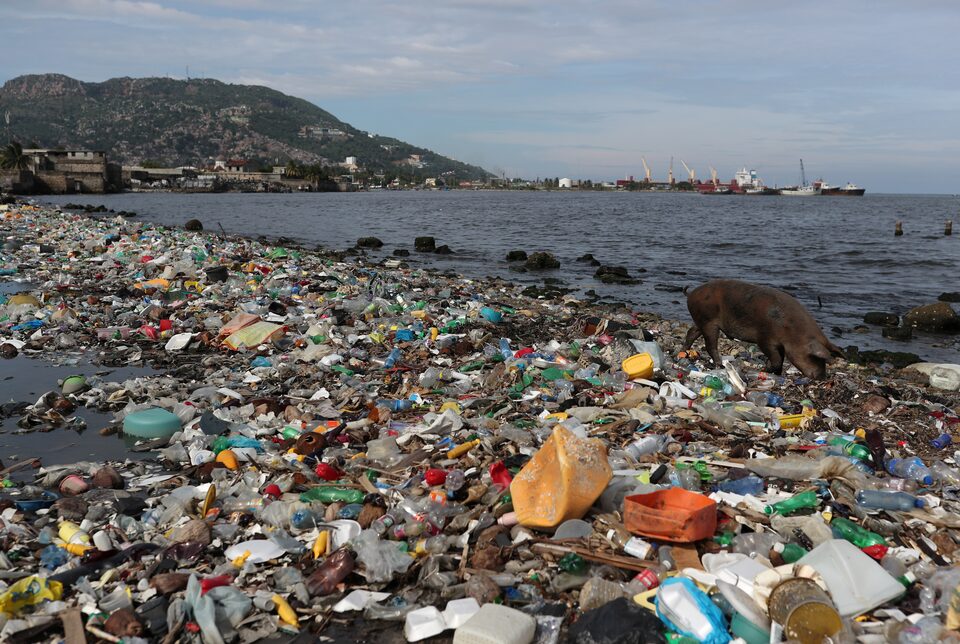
point(64, 171)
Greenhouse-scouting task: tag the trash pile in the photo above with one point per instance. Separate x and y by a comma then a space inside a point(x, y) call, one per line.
point(367, 451)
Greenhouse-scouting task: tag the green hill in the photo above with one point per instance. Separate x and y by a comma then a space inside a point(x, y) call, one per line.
point(193, 122)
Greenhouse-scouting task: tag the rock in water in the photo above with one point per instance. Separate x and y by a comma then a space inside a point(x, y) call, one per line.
point(939, 317)
point(541, 260)
point(194, 225)
point(369, 242)
point(517, 256)
point(425, 244)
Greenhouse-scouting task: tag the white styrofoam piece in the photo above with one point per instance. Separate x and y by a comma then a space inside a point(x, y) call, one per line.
point(496, 624)
point(423, 623)
point(458, 611)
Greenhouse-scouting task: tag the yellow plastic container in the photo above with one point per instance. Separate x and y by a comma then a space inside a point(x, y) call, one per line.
point(561, 481)
point(639, 365)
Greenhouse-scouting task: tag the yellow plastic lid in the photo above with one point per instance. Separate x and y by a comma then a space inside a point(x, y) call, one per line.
point(639, 365)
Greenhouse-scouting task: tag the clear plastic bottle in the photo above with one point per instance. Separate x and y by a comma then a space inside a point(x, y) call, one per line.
point(665, 557)
point(755, 543)
point(945, 474)
point(392, 358)
point(647, 445)
point(651, 577)
point(899, 485)
point(910, 468)
point(884, 500)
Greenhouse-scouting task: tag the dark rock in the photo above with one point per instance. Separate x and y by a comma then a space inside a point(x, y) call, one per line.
point(8, 351)
point(542, 261)
point(949, 297)
point(517, 256)
point(443, 250)
point(587, 258)
point(938, 317)
point(898, 332)
point(614, 275)
point(401, 252)
point(884, 319)
point(898, 359)
point(668, 288)
point(193, 225)
point(71, 508)
point(875, 404)
point(369, 242)
point(425, 244)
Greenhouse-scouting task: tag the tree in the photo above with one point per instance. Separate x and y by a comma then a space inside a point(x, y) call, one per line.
point(13, 158)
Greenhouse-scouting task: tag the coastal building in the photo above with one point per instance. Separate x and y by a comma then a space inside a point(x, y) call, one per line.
point(565, 183)
point(72, 171)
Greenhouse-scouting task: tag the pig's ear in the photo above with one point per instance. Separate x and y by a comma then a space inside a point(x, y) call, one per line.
point(818, 350)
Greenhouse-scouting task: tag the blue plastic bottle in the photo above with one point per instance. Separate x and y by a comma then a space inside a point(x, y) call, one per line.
point(747, 486)
point(392, 358)
point(910, 468)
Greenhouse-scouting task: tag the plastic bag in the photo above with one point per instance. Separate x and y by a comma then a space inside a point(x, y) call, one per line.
point(28, 592)
point(684, 608)
point(381, 559)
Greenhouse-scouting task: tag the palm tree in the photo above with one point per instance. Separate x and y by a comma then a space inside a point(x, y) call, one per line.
point(13, 158)
point(294, 170)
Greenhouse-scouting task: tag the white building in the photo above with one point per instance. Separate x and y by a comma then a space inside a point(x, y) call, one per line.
point(565, 183)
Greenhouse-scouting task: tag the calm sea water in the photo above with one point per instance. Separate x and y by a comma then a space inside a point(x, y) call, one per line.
point(839, 249)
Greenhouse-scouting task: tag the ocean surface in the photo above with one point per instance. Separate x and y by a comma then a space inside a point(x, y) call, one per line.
point(837, 255)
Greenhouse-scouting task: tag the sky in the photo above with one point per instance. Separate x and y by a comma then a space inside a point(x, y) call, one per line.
point(866, 91)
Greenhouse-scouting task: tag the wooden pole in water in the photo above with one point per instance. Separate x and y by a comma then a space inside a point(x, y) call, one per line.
point(898, 231)
point(948, 228)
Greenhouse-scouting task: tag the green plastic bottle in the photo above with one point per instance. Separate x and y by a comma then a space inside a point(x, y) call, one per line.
point(329, 494)
point(857, 535)
point(796, 502)
point(850, 448)
point(789, 552)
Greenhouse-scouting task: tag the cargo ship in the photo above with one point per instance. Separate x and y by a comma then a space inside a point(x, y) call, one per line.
point(849, 190)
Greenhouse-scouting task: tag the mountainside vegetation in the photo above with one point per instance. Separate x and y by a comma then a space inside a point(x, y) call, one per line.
point(162, 121)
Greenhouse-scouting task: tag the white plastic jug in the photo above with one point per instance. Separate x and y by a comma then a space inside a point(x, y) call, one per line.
point(945, 376)
point(856, 582)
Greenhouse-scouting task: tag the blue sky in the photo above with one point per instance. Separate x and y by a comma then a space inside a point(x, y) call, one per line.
point(863, 91)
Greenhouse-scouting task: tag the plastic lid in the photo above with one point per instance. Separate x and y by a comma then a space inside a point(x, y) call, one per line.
point(779, 547)
point(920, 503)
point(928, 480)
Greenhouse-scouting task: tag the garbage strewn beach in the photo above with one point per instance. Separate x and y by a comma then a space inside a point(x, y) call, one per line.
point(359, 451)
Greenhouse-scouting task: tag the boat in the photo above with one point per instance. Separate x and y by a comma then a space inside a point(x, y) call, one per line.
point(749, 183)
point(803, 190)
point(849, 190)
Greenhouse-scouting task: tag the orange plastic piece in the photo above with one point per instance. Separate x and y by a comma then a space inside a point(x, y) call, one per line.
point(229, 459)
point(671, 515)
point(561, 481)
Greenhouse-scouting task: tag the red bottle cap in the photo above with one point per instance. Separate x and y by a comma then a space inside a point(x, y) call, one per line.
point(273, 490)
point(435, 476)
point(327, 472)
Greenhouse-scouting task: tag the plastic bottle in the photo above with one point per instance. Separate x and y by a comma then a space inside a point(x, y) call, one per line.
point(894, 566)
point(942, 441)
point(685, 477)
point(505, 350)
point(746, 486)
point(651, 577)
point(755, 543)
point(303, 519)
point(392, 358)
point(883, 500)
point(910, 468)
point(647, 445)
point(901, 485)
point(926, 631)
point(432, 545)
point(789, 552)
point(857, 535)
point(945, 474)
point(808, 499)
point(851, 448)
point(714, 413)
point(329, 494)
point(665, 557)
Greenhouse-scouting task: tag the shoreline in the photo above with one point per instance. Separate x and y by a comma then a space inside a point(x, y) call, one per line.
point(130, 289)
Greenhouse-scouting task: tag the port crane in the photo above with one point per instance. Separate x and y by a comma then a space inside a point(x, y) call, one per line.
point(713, 176)
point(646, 169)
point(692, 173)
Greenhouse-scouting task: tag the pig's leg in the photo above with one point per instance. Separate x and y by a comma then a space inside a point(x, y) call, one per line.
point(692, 334)
point(774, 353)
point(711, 335)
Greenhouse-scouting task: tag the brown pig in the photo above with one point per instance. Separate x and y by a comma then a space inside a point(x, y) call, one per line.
point(770, 318)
